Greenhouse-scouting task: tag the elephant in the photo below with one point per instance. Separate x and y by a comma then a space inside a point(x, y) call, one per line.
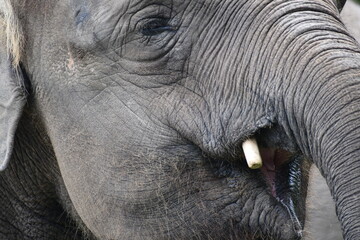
point(175, 119)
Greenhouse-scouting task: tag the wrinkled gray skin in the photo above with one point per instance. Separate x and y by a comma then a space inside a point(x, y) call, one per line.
point(136, 111)
point(321, 220)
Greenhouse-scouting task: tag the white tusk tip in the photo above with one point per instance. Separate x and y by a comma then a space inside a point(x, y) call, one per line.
point(252, 154)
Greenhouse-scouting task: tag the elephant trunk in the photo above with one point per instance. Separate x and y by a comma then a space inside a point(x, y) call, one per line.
point(325, 124)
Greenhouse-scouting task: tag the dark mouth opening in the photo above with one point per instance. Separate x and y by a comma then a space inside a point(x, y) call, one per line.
point(279, 173)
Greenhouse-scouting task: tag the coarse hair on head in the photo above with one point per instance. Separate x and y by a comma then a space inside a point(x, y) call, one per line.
point(10, 31)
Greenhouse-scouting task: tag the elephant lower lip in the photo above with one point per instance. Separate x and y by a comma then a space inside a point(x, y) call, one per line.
point(288, 187)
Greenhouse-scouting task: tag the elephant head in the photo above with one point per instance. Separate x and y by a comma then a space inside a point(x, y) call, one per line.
point(127, 119)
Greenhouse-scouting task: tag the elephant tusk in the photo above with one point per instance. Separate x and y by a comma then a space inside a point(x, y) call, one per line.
point(252, 154)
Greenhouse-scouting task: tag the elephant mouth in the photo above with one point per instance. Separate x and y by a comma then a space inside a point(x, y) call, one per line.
point(283, 177)
point(283, 173)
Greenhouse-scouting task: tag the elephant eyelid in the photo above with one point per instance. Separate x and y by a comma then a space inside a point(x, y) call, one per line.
point(155, 26)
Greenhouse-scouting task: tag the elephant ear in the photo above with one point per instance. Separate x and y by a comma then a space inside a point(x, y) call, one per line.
point(12, 101)
point(340, 4)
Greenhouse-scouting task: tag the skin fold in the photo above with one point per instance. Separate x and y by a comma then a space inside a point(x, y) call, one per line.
point(133, 114)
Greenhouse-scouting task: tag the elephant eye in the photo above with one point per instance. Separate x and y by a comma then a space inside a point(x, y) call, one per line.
point(156, 26)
